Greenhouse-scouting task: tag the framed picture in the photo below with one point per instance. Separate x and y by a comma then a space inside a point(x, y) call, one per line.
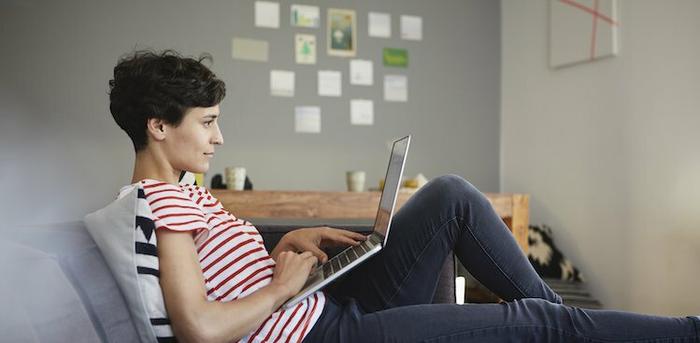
point(342, 33)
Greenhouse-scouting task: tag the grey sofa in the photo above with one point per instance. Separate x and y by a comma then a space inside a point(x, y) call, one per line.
point(55, 286)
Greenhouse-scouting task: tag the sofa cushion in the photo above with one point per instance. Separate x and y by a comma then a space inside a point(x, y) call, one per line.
point(15, 322)
point(39, 303)
point(104, 299)
point(72, 248)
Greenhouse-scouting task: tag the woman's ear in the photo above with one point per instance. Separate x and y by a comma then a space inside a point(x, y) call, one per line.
point(156, 129)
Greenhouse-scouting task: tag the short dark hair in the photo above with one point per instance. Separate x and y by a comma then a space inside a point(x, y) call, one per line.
point(162, 85)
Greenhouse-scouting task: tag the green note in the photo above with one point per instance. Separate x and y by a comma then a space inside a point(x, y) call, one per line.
point(395, 57)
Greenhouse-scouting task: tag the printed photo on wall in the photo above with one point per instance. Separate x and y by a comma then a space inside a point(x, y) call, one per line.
point(304, 16)
point(305, 49)
point(342, 33)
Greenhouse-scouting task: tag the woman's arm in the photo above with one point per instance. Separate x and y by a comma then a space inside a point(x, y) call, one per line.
point(196, 319)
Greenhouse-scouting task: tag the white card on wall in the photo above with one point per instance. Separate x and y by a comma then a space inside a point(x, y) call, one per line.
point(282, 83)
point(411, 27)
point(267, 14)
point(329, 83)
point(395, 88)
point(379, 24)
point(361, 112)
point(307, 119)
point(361, 72)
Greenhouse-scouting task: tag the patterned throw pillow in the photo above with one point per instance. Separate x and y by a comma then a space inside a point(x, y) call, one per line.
point(115, 231)
point(547, 259)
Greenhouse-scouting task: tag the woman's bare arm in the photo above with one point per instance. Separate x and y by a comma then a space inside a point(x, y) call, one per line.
point(196, 319)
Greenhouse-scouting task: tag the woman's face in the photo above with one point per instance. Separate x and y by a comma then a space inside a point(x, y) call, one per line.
point(190, 145)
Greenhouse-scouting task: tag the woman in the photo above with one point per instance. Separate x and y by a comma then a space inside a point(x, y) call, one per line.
point(220, 284)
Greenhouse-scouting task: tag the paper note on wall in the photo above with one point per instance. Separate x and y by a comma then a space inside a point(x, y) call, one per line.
point(249, 49)
point(379, 24)
point(411, 27)
point(393, 57)
point(361, 72)
point(395, 88)
point(361, 112)
point(329, 83)
point(267, 14)
point(305, 49)
point(282, 83)
point(307, 119)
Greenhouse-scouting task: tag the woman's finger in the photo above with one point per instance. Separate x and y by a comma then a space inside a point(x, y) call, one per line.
point(355, 235)
point(315, 251)
point(306, 254)
point(340, 237)
point(312, 260)
point(348, 240)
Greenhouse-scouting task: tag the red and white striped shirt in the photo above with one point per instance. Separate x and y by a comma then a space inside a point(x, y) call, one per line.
point(232, 256)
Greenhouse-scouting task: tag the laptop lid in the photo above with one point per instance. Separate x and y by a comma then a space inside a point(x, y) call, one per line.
point(382, 222)
point(392, 182)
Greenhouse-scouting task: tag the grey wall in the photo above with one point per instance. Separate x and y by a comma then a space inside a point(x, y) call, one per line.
point(609, 150)
point(61, 153)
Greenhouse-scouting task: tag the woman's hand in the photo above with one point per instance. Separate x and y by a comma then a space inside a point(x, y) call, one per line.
point(313, 239)
point(292, 270)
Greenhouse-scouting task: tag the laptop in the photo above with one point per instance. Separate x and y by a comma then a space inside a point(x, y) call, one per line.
point(354, 255)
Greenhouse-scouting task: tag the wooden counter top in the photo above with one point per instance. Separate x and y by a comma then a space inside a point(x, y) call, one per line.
point(320, 206)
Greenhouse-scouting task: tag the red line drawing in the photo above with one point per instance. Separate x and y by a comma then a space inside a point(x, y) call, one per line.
point(595, 29)
point(596, 15)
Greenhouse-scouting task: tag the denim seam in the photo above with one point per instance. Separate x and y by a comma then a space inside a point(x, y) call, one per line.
point(410, 272)
point(381, 327)
point(549, 328)
point(696, 325)
point(488, 253)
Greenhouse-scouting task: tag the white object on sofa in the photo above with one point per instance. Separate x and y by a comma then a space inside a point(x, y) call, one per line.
point(114, 230)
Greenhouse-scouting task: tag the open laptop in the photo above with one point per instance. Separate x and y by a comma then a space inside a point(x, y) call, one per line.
point(353, 256)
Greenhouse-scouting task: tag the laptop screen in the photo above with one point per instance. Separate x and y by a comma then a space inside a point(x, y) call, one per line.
point(392, 182)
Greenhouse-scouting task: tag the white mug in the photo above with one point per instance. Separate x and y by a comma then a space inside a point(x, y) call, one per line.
point(235, 178)
point(355, 180)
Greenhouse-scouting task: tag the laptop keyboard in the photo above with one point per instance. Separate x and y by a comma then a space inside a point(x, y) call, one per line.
point(349, 255)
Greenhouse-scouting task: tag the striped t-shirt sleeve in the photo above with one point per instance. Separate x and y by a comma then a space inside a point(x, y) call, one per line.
point(172, 209)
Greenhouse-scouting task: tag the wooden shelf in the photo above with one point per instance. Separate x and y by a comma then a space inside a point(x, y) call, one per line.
point(314, 205)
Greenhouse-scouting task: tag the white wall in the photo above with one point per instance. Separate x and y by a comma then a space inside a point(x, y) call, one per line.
point(610, 150)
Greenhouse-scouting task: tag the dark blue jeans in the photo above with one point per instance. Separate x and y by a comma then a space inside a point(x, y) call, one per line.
point(387, 299)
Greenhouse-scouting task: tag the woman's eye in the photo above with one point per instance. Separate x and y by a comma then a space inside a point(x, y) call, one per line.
point(207, 124)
